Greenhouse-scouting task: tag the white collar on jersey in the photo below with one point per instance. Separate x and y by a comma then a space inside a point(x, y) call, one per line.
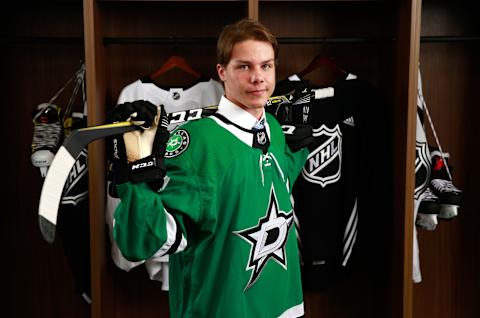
point(241, 118)
point(236, 114)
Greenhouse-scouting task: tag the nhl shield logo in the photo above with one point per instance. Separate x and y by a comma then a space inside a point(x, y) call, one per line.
point(324, 164)
point(261, 138)
point(422, 168)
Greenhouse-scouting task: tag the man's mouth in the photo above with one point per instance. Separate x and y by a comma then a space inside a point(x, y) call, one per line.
point(257, 92)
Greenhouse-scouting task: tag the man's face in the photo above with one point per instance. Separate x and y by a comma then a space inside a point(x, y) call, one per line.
point(249, 77)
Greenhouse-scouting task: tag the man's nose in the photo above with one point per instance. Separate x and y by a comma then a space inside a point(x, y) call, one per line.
point(257, 76)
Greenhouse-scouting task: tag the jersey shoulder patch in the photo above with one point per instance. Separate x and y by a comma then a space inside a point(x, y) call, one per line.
point(177, 143)
point(181, 137)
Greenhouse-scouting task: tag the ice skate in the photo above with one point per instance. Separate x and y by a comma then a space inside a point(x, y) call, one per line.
point(428, 211)
point(426, 221)
point(451, 198)
point(429, 203)
point(75, 121)
point(47, 134)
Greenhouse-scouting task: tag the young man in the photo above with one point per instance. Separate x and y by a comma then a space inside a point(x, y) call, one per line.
point(223, 213)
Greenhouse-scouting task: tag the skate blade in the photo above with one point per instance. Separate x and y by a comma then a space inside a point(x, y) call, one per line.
point(448, 211)
point(427, 221)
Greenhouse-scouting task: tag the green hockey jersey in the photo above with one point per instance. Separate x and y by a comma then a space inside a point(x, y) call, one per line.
point(225, 216)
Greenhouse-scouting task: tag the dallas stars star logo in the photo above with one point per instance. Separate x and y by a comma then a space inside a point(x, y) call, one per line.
point(177, 143)
point(268, 239)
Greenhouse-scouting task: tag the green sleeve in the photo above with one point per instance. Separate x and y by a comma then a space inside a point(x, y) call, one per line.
point(142, 227)
point(147, 223)
point(295, 162)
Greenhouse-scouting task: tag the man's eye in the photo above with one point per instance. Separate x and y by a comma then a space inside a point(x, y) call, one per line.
point(267, 66)
point(243, 67)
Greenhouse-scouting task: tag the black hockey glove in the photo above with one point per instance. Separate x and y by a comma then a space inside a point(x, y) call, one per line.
point(137, 156)
point(140, 112)
point(298, 136)
point(294, 117)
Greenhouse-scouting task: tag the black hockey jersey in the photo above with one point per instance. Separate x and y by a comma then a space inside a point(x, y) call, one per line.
point(332, 188)
point(73, 222)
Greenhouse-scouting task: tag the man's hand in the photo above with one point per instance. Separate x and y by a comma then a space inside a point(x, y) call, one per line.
point(140, 112)
point(298, 133)
point(298, 136)
point(137, 156)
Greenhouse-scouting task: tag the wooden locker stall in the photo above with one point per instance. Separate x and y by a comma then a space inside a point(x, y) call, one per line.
point(125, 40)
point(42, 48)
point(449, 65)
point(377, 40)
point(370, 39)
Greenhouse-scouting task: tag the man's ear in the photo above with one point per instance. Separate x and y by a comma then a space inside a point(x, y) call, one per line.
point(221, 72)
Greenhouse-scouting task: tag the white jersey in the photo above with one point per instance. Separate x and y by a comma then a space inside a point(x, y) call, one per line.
point(202, 94)
point(422, 177)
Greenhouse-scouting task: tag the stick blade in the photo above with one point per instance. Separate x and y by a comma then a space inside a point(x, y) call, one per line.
point(60, 168)
point(52, 190)
point(47, 229)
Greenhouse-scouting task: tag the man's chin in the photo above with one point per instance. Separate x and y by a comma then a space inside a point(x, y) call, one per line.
point(258, 102)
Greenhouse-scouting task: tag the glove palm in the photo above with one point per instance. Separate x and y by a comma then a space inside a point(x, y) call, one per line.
point(137, 156)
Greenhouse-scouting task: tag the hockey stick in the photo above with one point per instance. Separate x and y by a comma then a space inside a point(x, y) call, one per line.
point(68, 153)
point(59, 170)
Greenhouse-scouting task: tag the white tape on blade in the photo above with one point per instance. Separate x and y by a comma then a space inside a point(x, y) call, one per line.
point(53, 186)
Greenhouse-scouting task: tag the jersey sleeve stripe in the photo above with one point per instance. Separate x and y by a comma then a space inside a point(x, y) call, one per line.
point(344, 263)
point(352, 218)
point(349, 233)
point(175, 238)
point(180, 242)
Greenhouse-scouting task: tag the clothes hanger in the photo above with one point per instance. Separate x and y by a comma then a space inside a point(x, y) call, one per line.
point(175, 62)
point(322, 60)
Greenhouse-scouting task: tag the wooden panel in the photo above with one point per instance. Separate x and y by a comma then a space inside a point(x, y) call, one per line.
point(128, 62)
point(332, 19)
point(157, 19)
point(39, 280)
point(449, 256)
point(61, 19)
point(408, 43)
point(171, 1)
point(368, 290)
point(253, 9)
point(321, 20)
point(102, 290)
point(448, 18)
point(133, 293)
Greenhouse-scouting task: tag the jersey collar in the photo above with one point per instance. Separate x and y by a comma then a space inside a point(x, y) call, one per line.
point(236, 114)
point(243, 120)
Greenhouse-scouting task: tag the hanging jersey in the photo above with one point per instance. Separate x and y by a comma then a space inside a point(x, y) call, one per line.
point(203, 93)
point(423, 161)
point(74, 224)
point(333, 185)
point(228, 209)
point(423, 169)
